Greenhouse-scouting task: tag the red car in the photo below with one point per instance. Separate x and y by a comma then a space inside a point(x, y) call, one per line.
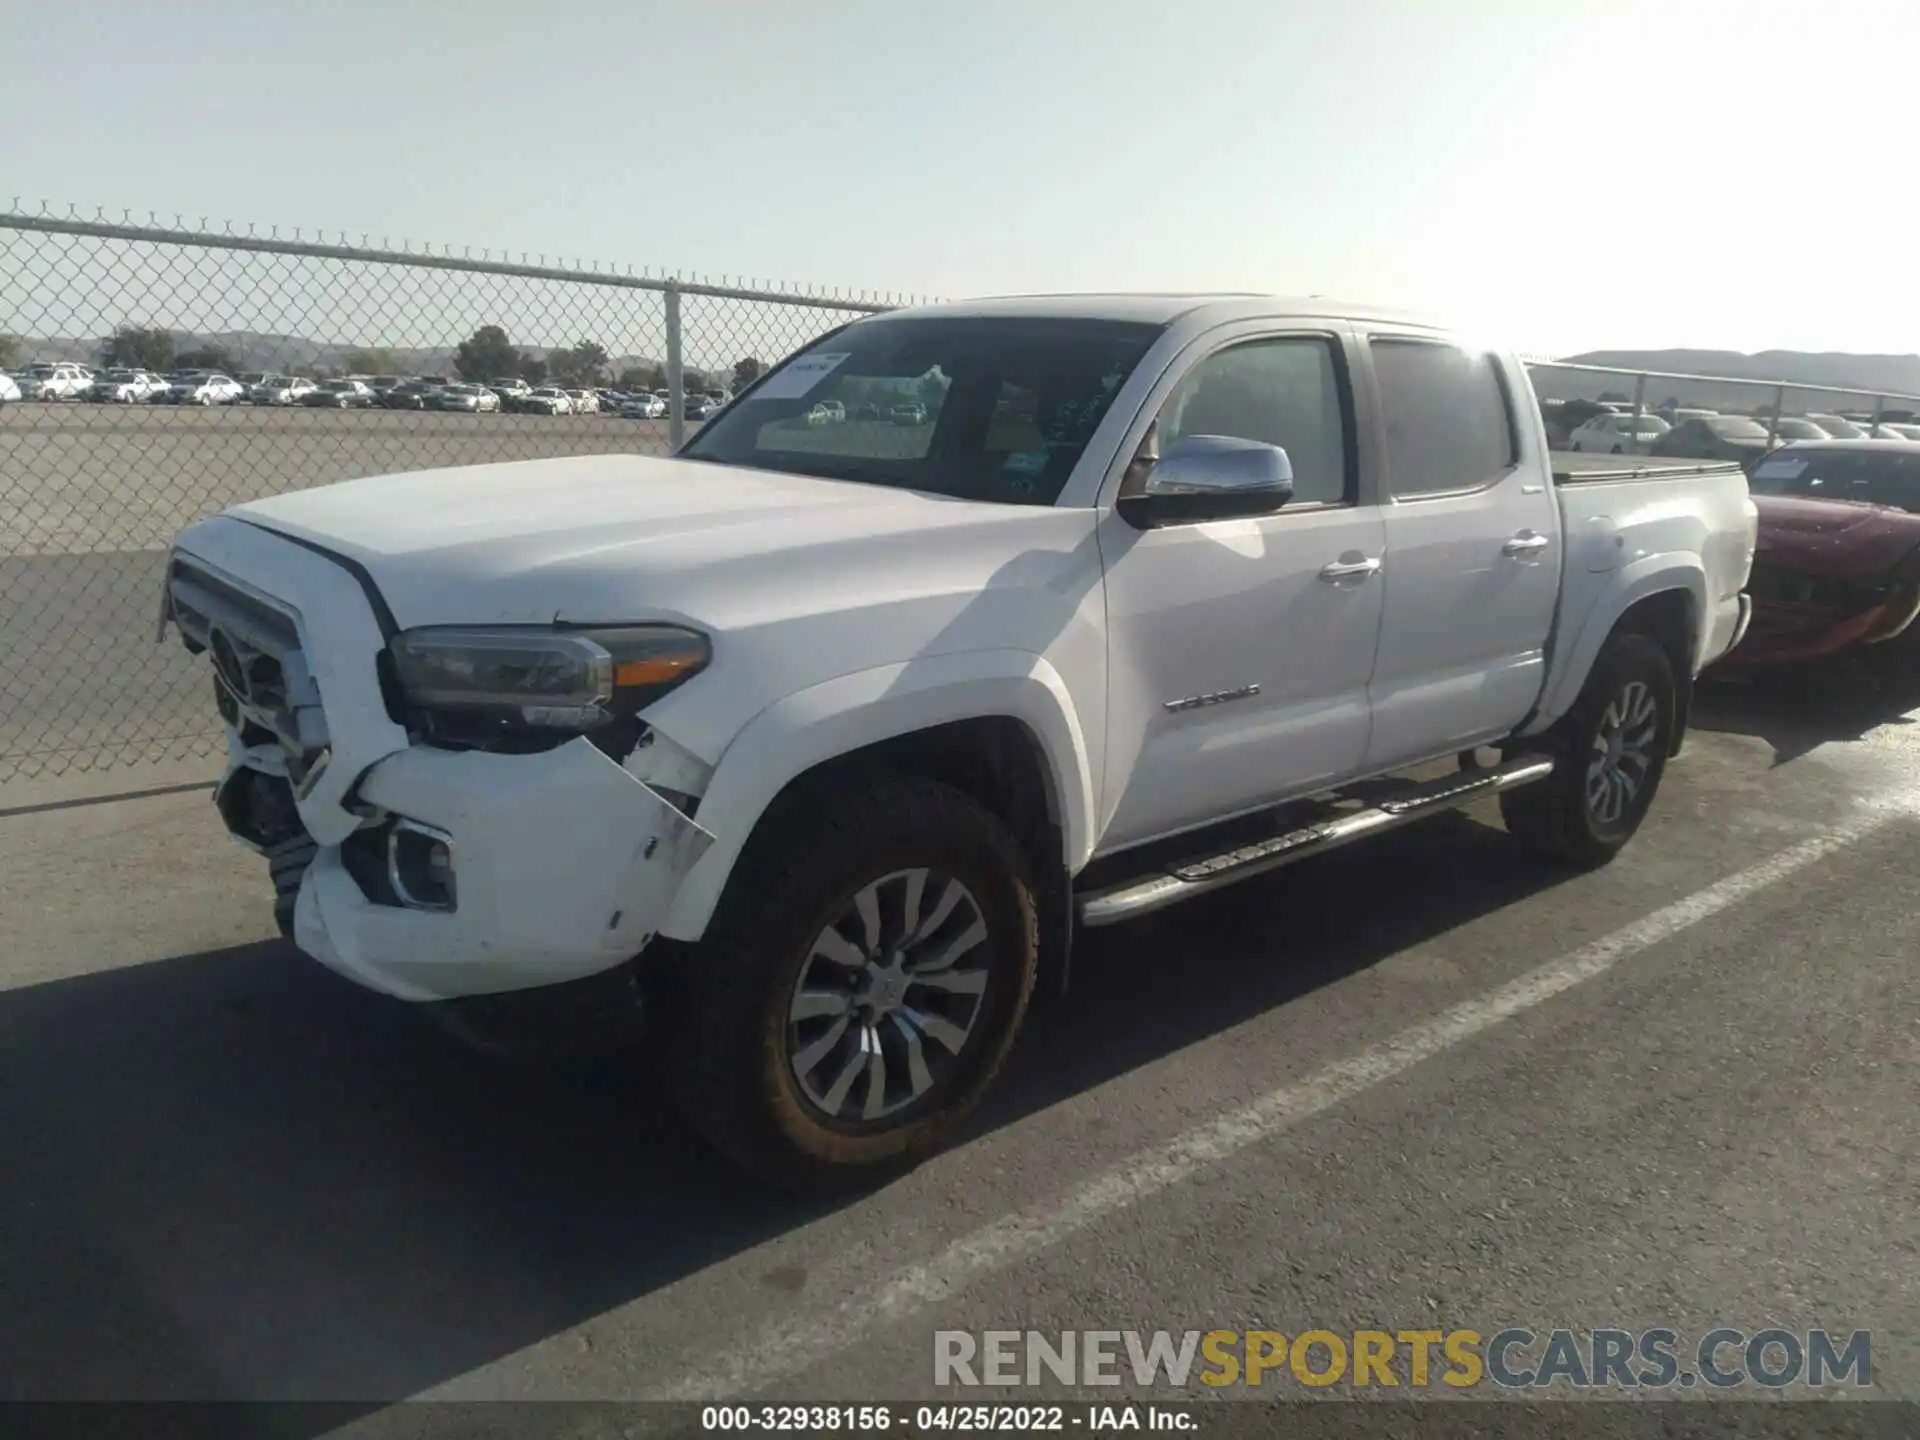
point(1837, 563)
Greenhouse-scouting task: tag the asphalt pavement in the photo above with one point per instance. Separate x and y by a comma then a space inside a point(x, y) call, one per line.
point(1427, 1083)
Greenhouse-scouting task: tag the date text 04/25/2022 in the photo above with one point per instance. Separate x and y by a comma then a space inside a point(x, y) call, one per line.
point(938, 1419)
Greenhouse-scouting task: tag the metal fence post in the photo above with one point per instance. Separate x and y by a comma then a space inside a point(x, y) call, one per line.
point(1639, 400)
point(1779, 409)
point(676, 371)
point(1879, 405)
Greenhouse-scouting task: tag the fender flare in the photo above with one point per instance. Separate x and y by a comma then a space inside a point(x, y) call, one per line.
point(853, 711)
point(1641, 580)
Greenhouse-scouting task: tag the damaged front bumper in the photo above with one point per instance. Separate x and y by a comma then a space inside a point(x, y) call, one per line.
point(480, 873)
point(436, 875)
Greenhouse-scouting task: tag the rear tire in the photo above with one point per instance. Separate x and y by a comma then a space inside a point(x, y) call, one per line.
point(1610, 752)
point(784, 1004)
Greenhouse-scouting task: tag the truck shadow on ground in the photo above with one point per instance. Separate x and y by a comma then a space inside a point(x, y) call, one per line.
point(231, 1176)
point(1796, 710)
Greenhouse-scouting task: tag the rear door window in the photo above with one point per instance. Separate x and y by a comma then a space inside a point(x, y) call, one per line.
point(1449, 423)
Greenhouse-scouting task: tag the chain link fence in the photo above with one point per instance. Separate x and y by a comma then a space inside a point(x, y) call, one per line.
point(99, 470)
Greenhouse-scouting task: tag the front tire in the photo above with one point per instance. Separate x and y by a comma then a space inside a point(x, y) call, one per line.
point(860, 986)
point(1610, 751)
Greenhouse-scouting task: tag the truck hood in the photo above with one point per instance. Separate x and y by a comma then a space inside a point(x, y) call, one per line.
point(1834, 539)
point(607, 538)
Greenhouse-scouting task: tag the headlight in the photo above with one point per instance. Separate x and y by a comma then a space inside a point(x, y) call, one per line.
point(533, 688)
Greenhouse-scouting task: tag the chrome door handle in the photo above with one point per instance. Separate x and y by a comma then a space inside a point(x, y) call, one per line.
point(1523, 545)
point(1334, 571)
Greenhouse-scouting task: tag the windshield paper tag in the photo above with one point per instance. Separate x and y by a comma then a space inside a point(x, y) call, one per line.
point(1779, 469)
point(797, 378)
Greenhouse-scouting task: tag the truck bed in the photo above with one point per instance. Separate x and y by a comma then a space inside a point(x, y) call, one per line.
point(1619, 512)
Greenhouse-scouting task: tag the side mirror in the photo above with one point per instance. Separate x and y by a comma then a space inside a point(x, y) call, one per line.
point(1210, 477)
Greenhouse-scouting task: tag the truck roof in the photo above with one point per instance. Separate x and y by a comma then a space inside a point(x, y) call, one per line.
point(1164, 309)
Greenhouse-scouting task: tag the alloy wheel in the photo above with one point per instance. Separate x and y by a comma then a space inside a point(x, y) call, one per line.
point(1623, 751)
point(888, 997)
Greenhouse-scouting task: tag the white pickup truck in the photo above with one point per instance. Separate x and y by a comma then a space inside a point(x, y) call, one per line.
point(814, 743)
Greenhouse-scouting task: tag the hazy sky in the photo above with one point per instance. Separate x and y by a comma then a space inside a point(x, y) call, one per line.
point(1562, 173)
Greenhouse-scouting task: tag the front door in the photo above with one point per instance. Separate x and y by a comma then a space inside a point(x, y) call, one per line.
point(1240, 650)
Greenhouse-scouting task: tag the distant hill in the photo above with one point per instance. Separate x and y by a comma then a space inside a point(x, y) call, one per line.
point(1861, 377)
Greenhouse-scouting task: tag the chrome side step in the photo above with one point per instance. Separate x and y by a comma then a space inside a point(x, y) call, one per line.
point(1215, 872)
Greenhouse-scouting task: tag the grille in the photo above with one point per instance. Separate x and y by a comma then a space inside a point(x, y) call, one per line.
point(262, 685)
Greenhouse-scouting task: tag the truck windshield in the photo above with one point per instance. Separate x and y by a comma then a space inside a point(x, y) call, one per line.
point(979, 408)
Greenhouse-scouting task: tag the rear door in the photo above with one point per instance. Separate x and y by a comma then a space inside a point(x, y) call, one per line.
point(1472, 569)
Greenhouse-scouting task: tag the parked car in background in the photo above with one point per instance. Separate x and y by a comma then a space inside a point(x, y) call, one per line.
point(55, 380)
point(584, 402)
point(206, 388)
point(473, 399)
point(644, 407)
point(1561, 418)
point(1838, 427)
point(125, 387)
point(382, 384)
point(339, 395)
point(911, 413)
point(1676, 414)
point(1790, 428)
point(509, 385)
point(1896, 430)
point(1619, 434)
point(1837, 557)
point(701, 407)
point(409, 395)
point(280, 390)
point(9, 390)
point(179, 381)
point(545, 400)
point(1715, 437)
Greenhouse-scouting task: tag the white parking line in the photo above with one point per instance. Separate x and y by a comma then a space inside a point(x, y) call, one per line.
point(802, 1340)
